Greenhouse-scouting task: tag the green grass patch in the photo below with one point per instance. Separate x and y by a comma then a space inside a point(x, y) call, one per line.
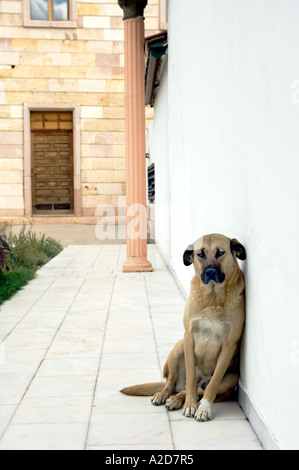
point(11, 282)
point(31, 252)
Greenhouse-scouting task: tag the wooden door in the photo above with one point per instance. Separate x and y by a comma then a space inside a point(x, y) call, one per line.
point(52, 162)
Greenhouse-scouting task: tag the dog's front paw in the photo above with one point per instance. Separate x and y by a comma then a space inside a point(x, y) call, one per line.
point(204, 412)
point(190, 410)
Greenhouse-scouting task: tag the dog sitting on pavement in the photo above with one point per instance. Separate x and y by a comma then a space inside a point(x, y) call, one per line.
point(205, 364)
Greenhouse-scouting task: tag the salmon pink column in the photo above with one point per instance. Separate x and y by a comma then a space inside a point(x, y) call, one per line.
point(135, 137)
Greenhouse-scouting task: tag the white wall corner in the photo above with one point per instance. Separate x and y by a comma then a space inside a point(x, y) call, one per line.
point(265, 437)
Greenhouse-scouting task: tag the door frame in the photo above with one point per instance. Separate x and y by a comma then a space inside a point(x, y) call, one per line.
point(75, 109)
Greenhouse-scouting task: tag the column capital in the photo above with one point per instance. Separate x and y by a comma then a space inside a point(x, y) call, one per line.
point(132, 8)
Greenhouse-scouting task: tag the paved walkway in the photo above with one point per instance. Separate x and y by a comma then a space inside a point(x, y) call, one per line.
point(69, 234)
point(74, 337)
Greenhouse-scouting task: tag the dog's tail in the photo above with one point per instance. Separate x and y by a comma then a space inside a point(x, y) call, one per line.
point(144, 390)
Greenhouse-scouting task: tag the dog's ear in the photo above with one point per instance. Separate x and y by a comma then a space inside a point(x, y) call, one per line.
point(188, 255)
point(237, 249)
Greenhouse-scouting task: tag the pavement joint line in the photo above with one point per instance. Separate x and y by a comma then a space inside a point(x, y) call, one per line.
point(152, 324)
point(97, 257)
point(100, 360)
point(157, 353)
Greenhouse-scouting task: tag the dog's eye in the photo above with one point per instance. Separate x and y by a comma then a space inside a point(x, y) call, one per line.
point(201, 254)
point(219, 253)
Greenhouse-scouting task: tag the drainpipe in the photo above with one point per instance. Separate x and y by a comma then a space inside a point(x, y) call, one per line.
point(135, 136)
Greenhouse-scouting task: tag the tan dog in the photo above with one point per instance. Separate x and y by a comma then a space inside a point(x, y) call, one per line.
point(206, 362)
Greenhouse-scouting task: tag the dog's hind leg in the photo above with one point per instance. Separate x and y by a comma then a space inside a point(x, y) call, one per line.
point(160, 397)
point(225, 391)
point(171, 372)
point(175, 402)
point(227, 387)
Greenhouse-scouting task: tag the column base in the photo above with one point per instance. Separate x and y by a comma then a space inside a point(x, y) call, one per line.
point(137, 264)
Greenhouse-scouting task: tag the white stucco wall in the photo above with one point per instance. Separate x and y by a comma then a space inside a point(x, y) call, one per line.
point(233, 150)
point(158, 153)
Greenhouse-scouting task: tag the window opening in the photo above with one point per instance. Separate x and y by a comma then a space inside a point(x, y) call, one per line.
point(49, 10)
point(151, 183)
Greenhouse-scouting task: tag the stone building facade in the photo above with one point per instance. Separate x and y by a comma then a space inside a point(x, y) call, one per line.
point(62, 119)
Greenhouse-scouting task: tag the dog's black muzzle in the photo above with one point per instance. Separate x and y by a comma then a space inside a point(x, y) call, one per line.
point(212, 274)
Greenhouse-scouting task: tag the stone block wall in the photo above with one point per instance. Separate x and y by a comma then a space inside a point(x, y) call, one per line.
point(73, 66)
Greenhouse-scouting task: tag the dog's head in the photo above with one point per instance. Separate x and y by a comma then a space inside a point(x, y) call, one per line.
point(214, 257)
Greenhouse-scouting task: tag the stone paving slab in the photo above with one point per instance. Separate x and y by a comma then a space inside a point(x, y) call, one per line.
point(76, 335)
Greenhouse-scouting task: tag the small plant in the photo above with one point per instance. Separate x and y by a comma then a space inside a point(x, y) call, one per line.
point(5, 251)
point(21, 255)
